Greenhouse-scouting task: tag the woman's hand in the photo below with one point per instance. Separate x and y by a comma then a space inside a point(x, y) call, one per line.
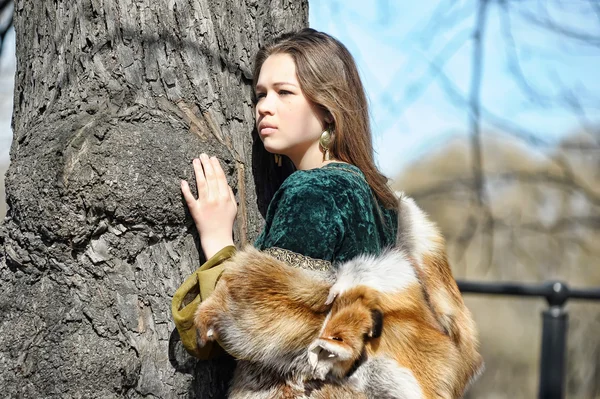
point(215, 209)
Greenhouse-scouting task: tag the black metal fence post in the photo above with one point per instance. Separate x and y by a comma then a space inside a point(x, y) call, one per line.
point(554, 342)
point(552, 359)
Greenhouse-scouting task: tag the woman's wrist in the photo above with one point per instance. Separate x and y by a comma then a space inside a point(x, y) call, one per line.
point(210, 248)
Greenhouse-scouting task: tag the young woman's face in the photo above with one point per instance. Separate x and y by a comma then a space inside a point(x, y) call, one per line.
point(286, 121)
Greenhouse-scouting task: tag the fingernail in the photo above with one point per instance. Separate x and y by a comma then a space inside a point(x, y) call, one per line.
point(203, 155)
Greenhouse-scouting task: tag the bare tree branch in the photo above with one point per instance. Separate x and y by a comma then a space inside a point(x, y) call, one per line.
point(557, 226)
point(506, 126)
point(550, 25)
point(435, 71)
point(415, 90)
point(475, 102)
point(445, 16)
point(464, 239)
point(528, 136)
point(514, 64)
point(596, 7)
point(573, 102)
point(479, 185)
point(459, 100)
point(567, 181)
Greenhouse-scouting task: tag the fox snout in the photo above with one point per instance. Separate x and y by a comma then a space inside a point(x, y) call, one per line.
point(330, 356)
point(344, 335)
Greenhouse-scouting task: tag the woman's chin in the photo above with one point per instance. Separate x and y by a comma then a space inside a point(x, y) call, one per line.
point(272, 149)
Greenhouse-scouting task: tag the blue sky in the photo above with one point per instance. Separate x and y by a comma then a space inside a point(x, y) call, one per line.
point(394, 46)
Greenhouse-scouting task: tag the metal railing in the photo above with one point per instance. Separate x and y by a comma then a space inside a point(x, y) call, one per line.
point(554, 324)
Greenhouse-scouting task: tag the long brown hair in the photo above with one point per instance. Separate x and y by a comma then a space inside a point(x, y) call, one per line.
point(329, 78)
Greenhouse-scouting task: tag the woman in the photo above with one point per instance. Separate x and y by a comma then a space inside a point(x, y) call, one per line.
point(310, 107)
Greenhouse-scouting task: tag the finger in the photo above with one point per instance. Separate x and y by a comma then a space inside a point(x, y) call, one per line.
point(220, 177)
point(209, 174)
point(200, 179)
point(187, 193)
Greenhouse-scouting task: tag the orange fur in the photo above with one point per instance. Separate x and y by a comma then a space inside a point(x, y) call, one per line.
point(284, 302)
point(269, 313)
point(421, 238)
point(409, 335)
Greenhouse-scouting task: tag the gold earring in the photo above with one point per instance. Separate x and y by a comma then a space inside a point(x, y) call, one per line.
point(325, 141)
point(277, 158)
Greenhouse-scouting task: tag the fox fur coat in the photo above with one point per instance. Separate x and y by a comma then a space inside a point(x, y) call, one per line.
point(390, 326)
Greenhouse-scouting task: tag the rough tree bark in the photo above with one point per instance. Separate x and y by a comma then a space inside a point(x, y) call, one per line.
point(113, 99)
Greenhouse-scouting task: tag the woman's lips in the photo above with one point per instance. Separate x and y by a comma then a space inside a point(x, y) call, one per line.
point(267, 130)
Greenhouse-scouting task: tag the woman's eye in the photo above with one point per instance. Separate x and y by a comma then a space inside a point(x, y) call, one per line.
point(259, 95)
point(284, 92)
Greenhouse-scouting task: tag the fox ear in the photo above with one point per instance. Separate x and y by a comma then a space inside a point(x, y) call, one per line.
point(377, 318)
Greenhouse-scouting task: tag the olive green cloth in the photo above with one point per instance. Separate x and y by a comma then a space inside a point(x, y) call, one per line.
point(328, 213)
point(188, 297)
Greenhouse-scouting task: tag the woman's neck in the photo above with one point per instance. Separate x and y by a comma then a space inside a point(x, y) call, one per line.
point(312, 158)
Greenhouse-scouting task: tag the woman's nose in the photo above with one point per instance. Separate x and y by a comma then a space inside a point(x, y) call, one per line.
point(265, 105)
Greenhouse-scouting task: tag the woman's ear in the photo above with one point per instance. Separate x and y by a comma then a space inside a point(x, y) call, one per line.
point(327, 117)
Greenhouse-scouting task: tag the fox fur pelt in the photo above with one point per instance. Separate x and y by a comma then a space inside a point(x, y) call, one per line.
point(391, 326)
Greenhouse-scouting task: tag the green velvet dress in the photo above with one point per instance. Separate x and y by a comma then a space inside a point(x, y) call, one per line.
point(328, 213)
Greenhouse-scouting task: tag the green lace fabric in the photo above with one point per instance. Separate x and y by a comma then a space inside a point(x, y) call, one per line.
point(329, 214)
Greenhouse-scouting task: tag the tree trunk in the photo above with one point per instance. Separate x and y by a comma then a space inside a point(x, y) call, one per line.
point(113, 99)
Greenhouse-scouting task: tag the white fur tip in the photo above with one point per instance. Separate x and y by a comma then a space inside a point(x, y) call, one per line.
point(325, 349)
point(332, 295)
point(210, 333)
point(389, 272)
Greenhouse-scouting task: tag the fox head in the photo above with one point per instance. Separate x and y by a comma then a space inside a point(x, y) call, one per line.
point(355, 318)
